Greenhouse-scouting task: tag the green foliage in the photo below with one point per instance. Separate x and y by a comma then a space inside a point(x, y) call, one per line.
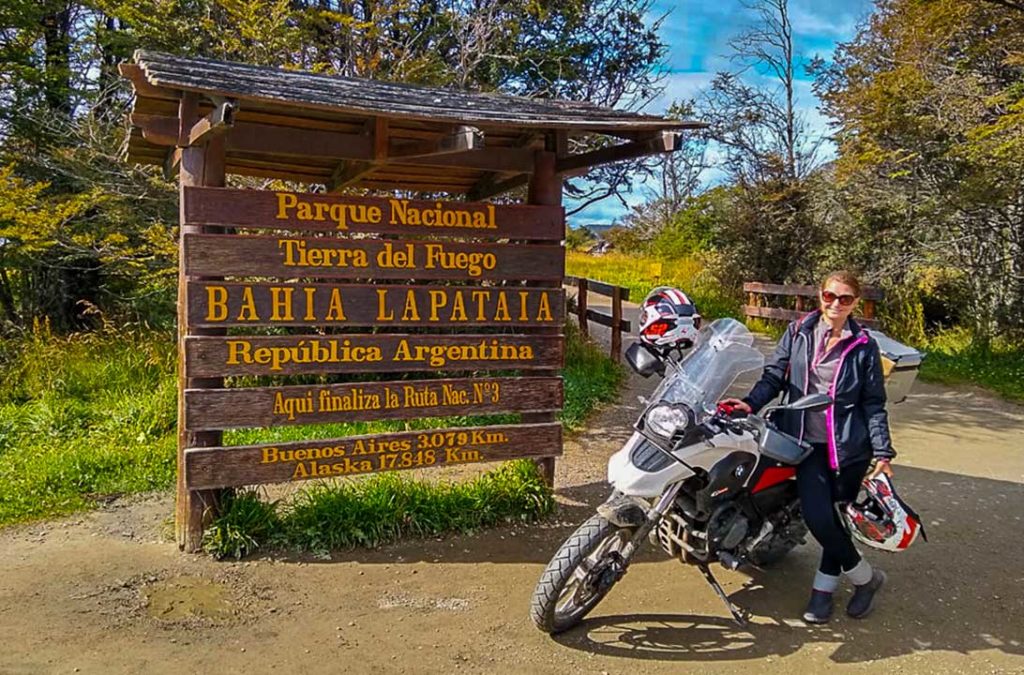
point(83, 417)
point(691, 229)
point(94, 414)
point(342, 514)
point(954, 358)
point(930, 128)
point(577, 238)
point(641, 273)
point(590, 378)
point(246, 523)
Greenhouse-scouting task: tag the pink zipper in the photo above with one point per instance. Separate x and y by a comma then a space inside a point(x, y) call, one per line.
point(833, 452)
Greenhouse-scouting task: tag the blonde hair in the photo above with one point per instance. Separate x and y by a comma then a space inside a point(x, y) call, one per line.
point(843, 277)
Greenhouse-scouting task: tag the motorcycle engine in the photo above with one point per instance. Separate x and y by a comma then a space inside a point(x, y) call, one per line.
point(727, 527)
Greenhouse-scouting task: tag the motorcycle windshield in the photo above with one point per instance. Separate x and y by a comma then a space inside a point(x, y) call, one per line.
point(723, 351)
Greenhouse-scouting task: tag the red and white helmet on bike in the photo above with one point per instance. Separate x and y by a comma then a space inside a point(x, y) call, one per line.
point(880, 519)
point(668, 318)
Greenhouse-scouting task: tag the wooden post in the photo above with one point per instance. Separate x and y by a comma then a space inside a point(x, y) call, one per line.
point(546, 189)
point(616, 324)
point(581, 307)
point(200, 166)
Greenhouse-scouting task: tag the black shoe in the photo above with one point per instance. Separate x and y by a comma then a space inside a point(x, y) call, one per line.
point(863, 600)
point(819, 608)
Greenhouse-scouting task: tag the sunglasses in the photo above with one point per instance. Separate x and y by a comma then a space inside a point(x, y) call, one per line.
point(828, 297)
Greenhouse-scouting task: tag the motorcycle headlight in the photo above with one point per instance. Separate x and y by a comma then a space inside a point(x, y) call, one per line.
point(666, 420)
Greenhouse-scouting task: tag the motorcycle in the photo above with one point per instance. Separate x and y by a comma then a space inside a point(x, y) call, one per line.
point(702, 485)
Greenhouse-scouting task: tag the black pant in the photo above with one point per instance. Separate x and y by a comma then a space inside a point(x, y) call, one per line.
point(819, 490)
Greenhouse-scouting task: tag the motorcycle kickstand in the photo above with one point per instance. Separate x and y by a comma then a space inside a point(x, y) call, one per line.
point(738, 615)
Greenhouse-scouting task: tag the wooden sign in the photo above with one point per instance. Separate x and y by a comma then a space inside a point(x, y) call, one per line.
point(275, 463)
point(351, 215)
point(289, 304)
point(222, 255)
point(362, 401)
point(363, 353)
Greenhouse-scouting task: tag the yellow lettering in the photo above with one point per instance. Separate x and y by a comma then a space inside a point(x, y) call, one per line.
point(411, 312)
point(216, 303)
point(281, 303)
point(458, 308)
point(383, 313)
point(238, 352)
point(284, 202)
point(335, 312)
point(247, 312)
point(438, 299)
point(501, 311)
point(544, 309)
point(310, 306)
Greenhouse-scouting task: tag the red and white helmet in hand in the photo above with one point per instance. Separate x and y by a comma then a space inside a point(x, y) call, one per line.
point(880, 519)
point(668, 318)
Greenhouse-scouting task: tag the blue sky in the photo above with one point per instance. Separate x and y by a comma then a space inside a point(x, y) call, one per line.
point(697, 33)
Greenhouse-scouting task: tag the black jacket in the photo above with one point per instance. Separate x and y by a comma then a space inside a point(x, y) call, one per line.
point(858, 423)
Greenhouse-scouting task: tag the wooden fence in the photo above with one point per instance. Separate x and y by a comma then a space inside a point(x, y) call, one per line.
point(584, 313)
point(762, 297)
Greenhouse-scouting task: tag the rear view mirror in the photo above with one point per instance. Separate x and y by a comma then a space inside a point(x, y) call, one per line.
point(645, 362)
point(810, 403)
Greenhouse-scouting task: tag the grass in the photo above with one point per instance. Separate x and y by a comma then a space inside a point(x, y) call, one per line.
point(88, 416)
point(83, 417)
point(640, 274)
point(953, 359)
point(334, 515)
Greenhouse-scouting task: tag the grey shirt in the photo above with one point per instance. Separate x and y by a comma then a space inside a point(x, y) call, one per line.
point(820, 375)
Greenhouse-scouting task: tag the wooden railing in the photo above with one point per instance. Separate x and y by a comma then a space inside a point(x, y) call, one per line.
point(578, 306)
point(805, 299)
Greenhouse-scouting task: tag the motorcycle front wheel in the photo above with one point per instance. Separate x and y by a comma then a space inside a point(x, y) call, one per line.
point(579, 575)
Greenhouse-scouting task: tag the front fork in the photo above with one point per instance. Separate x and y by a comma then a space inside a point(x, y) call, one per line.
point(625, 512)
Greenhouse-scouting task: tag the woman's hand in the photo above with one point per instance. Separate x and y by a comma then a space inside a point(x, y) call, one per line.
point(881, 466)
point(728, 405)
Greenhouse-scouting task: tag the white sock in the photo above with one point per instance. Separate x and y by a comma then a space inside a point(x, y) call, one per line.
point(860, 574)
point(826, 583)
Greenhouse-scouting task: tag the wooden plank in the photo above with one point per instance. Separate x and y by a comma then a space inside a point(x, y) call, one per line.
point(792, 315)
point(334, 258)
point(463, 138)
point(327, 213)
point(363, 401)
point(354, 455)
point(581, 306)
point(217, 121)
point(368, 353)
point(616, 346)
point(662, 142)
point(599, 287)
point(289, 304)
point(272, 136)
point(545, 188)
point(606, 320)
point(200, 165)
point(868, 292)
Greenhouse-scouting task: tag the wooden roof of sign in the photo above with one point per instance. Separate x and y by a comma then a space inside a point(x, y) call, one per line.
point(351, 132)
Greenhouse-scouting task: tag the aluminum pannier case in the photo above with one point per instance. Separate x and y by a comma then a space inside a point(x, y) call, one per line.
point(900, 365)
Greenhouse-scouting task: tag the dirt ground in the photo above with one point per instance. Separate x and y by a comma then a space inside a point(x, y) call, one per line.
point(108, 592)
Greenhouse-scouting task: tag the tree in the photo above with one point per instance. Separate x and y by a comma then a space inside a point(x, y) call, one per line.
point(764, 136)
point(928, 104)
point(62, 104)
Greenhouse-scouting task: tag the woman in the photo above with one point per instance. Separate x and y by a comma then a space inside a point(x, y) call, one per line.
point(828, 352)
